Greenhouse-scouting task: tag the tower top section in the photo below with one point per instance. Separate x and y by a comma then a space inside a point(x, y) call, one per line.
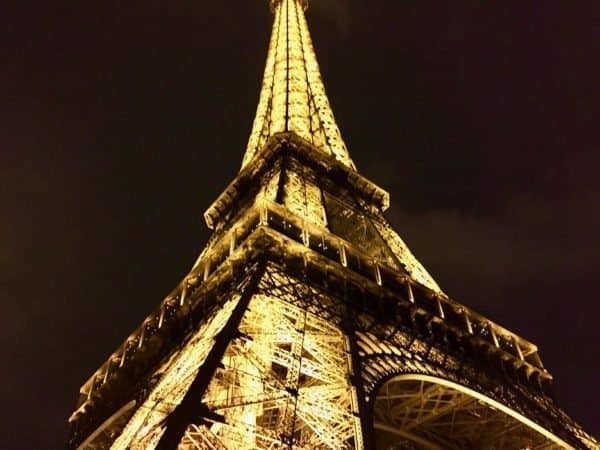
point(292, 97)
point(275, 3)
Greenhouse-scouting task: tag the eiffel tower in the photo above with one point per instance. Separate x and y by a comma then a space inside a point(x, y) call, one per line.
point(307, 323)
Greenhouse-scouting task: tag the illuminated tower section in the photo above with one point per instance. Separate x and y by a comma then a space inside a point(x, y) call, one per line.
point(307, 323)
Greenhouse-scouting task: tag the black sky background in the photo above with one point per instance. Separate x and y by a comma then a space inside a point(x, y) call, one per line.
point(120, 122)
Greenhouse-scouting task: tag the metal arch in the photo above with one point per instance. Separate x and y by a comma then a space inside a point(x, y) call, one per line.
point(114, 424)
point(437, 413)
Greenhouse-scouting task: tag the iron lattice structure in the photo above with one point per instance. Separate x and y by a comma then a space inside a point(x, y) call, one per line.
point(307, 323)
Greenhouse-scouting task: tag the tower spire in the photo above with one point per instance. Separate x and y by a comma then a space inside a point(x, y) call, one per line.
point(292, 97)
point(275, 3)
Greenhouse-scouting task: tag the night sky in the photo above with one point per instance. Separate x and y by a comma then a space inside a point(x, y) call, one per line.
point(121, 121)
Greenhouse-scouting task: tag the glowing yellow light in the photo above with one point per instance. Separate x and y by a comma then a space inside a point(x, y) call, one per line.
point(286, 379)
point(293, 96)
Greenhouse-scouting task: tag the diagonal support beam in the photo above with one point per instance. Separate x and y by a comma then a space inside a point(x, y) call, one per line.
point(189, 409)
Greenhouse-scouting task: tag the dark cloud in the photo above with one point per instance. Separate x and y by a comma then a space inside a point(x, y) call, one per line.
point(529, 240)
point(337, 12)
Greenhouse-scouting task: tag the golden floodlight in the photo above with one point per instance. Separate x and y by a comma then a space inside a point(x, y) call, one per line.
point(307, 323)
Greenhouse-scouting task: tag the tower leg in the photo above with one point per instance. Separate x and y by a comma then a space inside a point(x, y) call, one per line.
point(188, 410)
point(362, 418)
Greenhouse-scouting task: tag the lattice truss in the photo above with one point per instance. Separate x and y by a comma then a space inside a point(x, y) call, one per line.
point(293, 97)
point(282, 381)
point(401, 251)
point(349, 217)
point(419, 414)
point(302, 196)
point(144, 429)
point(284, 378)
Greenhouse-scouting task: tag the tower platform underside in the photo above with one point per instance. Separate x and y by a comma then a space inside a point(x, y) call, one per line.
point(285, 335)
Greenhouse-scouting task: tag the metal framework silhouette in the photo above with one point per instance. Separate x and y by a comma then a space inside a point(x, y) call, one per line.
point(307, 323)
